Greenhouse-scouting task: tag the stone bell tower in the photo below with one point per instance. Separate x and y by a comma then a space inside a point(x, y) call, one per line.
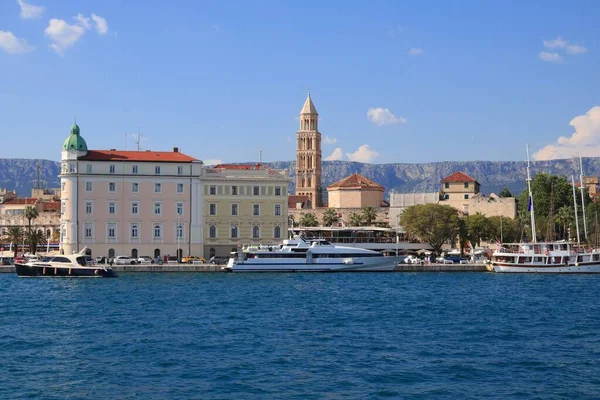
point(308, 154)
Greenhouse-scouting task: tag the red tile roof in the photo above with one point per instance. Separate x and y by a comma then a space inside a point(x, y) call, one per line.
point(51, 205)
point(356, 181)
point(139, 156)
point(294, 199)
point(458, 176)
point(21, 200)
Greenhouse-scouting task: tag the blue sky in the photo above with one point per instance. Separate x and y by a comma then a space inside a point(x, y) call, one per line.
point(223, 80)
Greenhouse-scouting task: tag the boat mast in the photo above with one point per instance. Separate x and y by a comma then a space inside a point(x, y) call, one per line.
point(585, 234)
point(575, 203)
point(533, 237)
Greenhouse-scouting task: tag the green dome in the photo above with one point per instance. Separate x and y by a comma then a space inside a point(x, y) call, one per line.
point(75, 141)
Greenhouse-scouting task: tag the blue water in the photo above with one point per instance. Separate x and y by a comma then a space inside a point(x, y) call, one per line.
point(301, 336)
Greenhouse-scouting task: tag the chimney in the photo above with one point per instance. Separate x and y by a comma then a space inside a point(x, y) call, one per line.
point(175, 149)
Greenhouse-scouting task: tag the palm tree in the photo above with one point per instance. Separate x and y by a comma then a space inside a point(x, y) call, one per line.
point(330, 217)
point(13, 235)
point(369, 214)
point(355, 219)
point(34, 238)
point(31, 213)
point(309, 220)
point(564, 217)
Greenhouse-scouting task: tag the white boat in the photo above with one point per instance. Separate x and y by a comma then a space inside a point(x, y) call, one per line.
point(301, 255)
point(554, 257)
point(74, 265)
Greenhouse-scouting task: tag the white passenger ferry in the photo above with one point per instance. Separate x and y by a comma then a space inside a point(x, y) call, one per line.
point(301, 255)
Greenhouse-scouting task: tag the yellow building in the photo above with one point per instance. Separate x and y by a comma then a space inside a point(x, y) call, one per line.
point(458, 189)
point(355, 191)
point(243, 204)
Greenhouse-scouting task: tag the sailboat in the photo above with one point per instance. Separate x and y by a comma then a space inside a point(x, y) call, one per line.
point(561, 257)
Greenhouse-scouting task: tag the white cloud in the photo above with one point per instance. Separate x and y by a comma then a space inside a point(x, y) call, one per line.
point(383, 116)
point(29, 11)
point(585, 141)
point(415, 51)
point(101, 24)
point(337, 154)
point(14, 45)
point(363, 154)
point(83, 21)
point(212, 162)
point(550, 57)
point(576, 49)
point(558, 43)
point(329, 140)
point(62, 34)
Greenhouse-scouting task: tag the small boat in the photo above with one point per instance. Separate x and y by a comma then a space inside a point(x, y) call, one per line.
point(69, 266)
point(301, 255)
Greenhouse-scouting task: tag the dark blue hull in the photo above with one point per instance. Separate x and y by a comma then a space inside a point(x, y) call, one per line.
point(75, 272)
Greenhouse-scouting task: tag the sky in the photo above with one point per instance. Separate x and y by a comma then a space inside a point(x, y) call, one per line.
point(393, 81)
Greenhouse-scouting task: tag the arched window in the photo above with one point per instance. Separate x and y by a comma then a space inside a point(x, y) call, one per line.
point(157, 232)
point(39, 231)
point(212, 232)
point(134, 253)
point(156, 253)
point(234, 231)
point(211, 252)
point(255, 232)
point(47, 233)
point(277, 232)
point(111, 253)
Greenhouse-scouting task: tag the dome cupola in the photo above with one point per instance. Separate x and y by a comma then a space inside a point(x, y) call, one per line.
point(75, 141)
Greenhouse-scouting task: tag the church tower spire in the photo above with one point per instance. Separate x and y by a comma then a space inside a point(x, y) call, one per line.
point(308, 154)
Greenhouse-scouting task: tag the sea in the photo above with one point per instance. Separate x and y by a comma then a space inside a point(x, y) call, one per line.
point(301, 336)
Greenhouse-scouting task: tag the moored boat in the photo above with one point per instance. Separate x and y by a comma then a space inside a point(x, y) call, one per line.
point(70, 266)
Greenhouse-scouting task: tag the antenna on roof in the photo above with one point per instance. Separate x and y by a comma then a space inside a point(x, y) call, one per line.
point(260, 157)
point(138, 139)
point(38, 176)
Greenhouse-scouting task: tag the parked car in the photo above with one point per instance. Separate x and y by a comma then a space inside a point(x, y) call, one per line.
point(219, 260)
point(101, 260)
point(442, 260)
point(457, 259)
point(191, 259)
point(124, 260)
point(145, 260)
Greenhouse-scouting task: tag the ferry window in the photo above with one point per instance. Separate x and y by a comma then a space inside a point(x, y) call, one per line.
point(80, 260)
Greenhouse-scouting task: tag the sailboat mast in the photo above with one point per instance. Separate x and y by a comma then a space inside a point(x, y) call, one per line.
point(585, 234)
point(575, 203)
point(533, 237)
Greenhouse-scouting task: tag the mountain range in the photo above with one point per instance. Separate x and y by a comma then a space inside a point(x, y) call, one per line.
point(22, 174)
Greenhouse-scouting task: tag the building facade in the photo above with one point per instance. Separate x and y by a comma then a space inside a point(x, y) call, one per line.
point(355, 191)
point(458, 189)
point(308, 155)
point(243, 204)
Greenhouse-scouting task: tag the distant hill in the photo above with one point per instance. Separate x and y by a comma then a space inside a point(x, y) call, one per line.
point(21, 174)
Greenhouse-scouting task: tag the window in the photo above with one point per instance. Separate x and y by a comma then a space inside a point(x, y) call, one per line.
point(157, 188)
point(212, 209)
point(255, 209)
point(88, 186)
point(62, 186)
point(157, 170)
point(277, 209)
point(277, 233)
point(446, 185)
point(112, 206)
point(111, 169)
point(213, 190)
point(180, 188)
point(88, 207)
point(135, 187)
point(255, 232)
point(88, 168)
point(157, 208)
point(234, 209)
point(134, 169)
point(135, 231)
point(179, 209)
point(134, 207)
point(112, 231)
point(234, 231)
point(112, 187)
point(277, 191)
point(212, 232)
point(234, 190)
point(88, 231)
point(179, 231)
point(179, 170)
point(466, 185)
point(446, 197)
point(256, 190)
point(72, 168)
point(157, 231)
point(466, 197)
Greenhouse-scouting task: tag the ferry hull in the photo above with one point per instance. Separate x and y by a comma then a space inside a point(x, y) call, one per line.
point(582, 268)
point(24, 270)
point(386, 264)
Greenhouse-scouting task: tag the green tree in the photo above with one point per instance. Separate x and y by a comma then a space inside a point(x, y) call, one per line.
point(504, 229)
point(369, 215)
point(432, 223)
point(564, 218)
point(505, 193)
point(14, 235)
point(330, 217)
point(35, 238)
point(309, 220)
point(477, 229)
point(31, 213)
point(355, 219)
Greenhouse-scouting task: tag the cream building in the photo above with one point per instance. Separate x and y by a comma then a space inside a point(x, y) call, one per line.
point(355, 191)
point(458, 189)
point(129, 202)
point(243, 204)
point(308, 155)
